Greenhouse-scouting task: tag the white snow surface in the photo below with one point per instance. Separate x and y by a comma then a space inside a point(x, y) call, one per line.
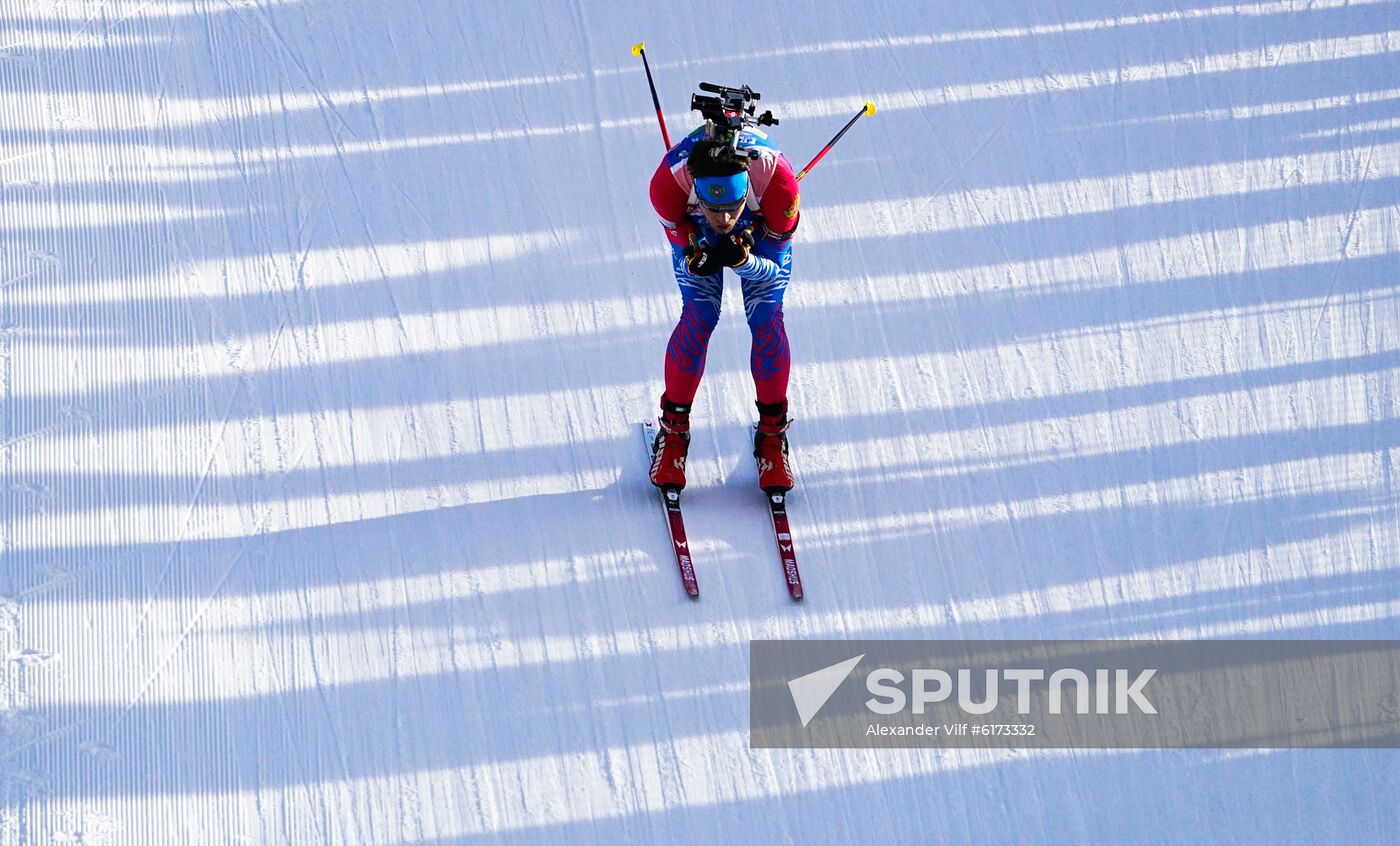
point(325, 330)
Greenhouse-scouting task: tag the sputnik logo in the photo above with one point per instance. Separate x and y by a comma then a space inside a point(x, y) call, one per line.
point(810, 692)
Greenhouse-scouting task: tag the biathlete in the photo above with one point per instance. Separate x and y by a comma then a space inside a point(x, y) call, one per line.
point(727, 200)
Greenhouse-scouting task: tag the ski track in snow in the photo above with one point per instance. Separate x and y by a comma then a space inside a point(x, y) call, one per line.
point(324, 329)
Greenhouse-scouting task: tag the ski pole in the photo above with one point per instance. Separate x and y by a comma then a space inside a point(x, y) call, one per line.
point(867, 109)
point(640, 49)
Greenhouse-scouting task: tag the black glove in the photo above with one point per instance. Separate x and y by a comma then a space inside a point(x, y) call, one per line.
point(702, 260)
point(732, 250)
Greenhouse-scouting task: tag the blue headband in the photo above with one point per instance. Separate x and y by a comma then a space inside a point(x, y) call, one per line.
point(722, 191)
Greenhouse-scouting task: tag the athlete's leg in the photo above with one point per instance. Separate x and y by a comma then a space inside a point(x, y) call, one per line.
point(770, 358)
point(685, 353)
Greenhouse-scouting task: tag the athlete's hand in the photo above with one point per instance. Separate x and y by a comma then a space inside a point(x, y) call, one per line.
point(733, 249)
point(702, 259)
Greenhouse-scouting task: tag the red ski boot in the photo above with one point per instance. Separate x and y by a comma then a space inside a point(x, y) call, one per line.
point(672, 444)
point(770, 447)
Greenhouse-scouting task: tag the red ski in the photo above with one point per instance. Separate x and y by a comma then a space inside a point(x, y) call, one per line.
point(671, 501)
point(782, 533)
point(777, 508)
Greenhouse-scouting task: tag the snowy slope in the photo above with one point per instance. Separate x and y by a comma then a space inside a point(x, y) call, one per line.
point(325, 328)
